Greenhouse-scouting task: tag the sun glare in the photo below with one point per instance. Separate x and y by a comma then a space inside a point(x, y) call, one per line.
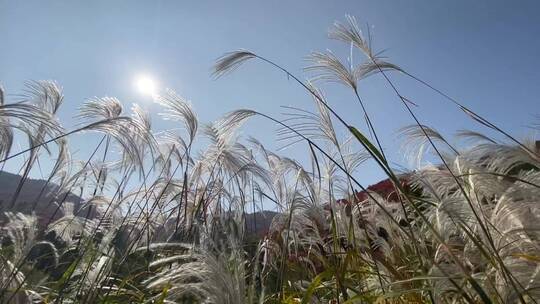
point(145, 85)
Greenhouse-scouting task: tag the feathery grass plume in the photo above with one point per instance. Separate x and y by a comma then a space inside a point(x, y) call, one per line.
point(229, 124)
point(34, 116)
point(209, 279)
point(373, 67)
point(18, 237)
point(29, 115)
point(71, 227)
point(102, 208)
point(46, 94)
point(101, 108)
point(328, 67)
point(44, 255)
point(352, 158)
point(142, 119)
point(163, 160)
point(141, 116)
point(165, 247)
point(231, 61)
point(317, 126)
point(94, 277)
point(167, 190)
point(351, 33)
point(203, 274)
point(20, 233)
point(228, 157)
point(503, 158)
point(62, 166)
point(172, 148)
point(168, 137)
point(416, 143)
point(6, 133)
point(474, 137)
point(260, 149)
point(326, 125)
point(22, 253)
point(143, 131)
point(98, 178)
point(177, 108)
point(106, 114)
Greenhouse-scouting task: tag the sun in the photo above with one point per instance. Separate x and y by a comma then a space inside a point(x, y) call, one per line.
point(145, 85)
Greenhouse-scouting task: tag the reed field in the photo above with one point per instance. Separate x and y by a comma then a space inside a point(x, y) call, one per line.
point(160, 216)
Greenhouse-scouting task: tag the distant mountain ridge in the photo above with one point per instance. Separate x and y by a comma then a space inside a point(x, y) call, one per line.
point(45, 205)
point(255, 223)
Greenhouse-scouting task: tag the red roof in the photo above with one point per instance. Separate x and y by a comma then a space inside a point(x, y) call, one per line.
point(383, 188)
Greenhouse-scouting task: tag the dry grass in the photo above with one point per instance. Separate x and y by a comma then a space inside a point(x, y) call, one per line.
point(162, 223)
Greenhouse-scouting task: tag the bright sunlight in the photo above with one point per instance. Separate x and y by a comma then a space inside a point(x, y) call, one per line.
point(410, 174)
point(145, 85)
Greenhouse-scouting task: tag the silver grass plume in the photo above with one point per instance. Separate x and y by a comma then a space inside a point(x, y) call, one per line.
point(327, 67)
point(167, 153)
point(231, 61)
point(350, 33)
point(22, 231)
point(173, 147)
point(369, 68)
point(207, 276)
point(101, 108)
point(315, 126)
point(62, 166)
point(352, 158)
point(6, 132)
point(25, 117)
point(70, 226)
point(30, 115)
point(502, 158)
point(416, 143)
point(474, 136)
point(224, 150)
point(141, 118)
point(177, 108)
point(46, 94)
point(229, 124)
point(105, 112)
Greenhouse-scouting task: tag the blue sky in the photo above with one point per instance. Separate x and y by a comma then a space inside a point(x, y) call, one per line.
point(484, 53)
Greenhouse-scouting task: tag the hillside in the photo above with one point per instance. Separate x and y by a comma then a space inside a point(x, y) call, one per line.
point(35, 192)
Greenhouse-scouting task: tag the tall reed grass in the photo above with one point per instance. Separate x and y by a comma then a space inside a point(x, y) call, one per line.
point(163, 223)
